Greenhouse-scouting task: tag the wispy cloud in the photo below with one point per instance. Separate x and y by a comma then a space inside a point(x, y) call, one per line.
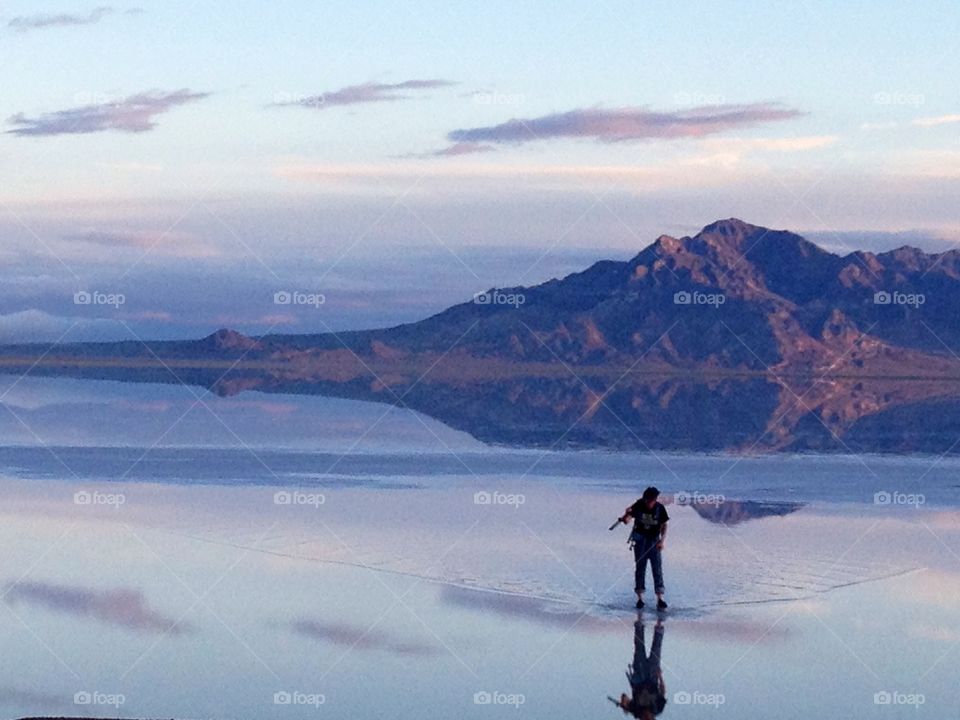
point(528, 609)
point(365, 93)
point(939, 120)
point(168, 242)
point(773, 145)
point(42, 21)
point(629, 123)
point(124, 607)
point(133, 114)
point(684, 172)
point(463, 148)
point(360, 638)
point(455, 150)
point(34, 325)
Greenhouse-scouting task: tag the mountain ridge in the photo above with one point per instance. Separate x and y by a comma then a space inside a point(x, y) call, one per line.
point(738, 337)
point(758, 299)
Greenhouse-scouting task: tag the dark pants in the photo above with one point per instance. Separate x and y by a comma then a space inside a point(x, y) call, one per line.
point(645, 549)
point(646, 669)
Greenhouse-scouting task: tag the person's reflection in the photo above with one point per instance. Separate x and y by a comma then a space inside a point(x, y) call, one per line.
point(648, 695)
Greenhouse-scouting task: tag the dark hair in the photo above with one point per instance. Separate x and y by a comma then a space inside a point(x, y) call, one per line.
point(651, 493)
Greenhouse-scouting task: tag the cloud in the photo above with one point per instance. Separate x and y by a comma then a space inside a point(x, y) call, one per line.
point(168, 243)
point(843, 242)
point(365, 93)
point(392, 177)
point(124, 607)
point(455, 150)
point(629, 123)
point(360, 638)
point(940, 588)
point(42, 21)
point(33, 325)
point(773, 145)
point(462, 148)
point(406, 172)
point(156, 315)
point(940, 164)
point(529, 609)
point(272, 320)
point(133, 114)
point(939, 120)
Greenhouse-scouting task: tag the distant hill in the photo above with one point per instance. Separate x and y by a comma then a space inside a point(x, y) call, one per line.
point(785, 302)
point(737, 337)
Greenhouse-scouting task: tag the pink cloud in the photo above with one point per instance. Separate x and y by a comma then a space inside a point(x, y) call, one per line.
point(365, 93)
point(360, 638)
point(133, 114)
point(124, 607)
point(628, 123)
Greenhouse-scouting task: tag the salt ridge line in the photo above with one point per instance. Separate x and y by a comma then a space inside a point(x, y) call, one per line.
point(534, 596)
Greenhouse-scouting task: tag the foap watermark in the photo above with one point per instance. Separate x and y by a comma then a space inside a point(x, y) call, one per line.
point(88, 97)
point(97, 498)
point(493, 97)
point(893, 497)
point(290, 98)
point(97, 297)
point(483, 497)
point(497, 297)
point(698, 99)
point(699, 498)
point(95, 697)
point(295, 697)
point(899, 98)
point(696, 297)
point(299, 498)
point(697, 697)
point(296, 297)
point(485, 697)
point(914, 300)
point(896, 697)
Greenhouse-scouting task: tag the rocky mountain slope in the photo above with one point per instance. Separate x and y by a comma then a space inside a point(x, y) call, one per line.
point(738, 337)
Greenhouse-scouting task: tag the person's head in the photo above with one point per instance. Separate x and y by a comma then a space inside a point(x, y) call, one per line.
point(650, 496)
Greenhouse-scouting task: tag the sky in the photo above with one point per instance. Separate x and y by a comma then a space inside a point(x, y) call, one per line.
point(183, 164)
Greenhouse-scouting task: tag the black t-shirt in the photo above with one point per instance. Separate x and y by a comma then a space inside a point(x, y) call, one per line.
point(648, 522)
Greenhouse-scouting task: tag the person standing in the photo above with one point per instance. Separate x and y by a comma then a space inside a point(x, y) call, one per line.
point(648, 536)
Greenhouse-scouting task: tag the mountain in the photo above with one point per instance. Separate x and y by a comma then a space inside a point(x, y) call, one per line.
point(758, 299)
point(738, 337)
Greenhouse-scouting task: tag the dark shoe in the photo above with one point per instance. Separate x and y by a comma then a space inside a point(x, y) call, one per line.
point(661, 605)
point(639, 603)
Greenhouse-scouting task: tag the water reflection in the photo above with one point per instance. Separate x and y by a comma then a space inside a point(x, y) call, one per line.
point(648, 693)
point(33, 699)
point(734, 512)
point(567, 618)
point(508, 405)
point(358, 637)
point(125, 607)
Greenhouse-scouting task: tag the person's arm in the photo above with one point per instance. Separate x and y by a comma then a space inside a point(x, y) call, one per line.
point(663, 536)
point(627, 514)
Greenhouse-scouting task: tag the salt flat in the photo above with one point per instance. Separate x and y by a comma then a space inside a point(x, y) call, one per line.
point(237, 581)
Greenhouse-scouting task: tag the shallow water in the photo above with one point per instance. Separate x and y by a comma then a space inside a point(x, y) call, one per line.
point(177, 580)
